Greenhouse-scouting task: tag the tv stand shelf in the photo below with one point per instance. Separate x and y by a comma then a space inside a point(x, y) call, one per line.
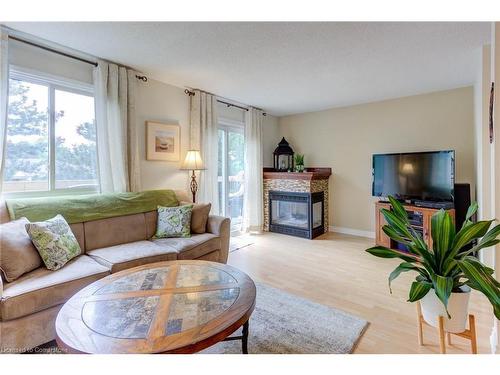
point(381, 239)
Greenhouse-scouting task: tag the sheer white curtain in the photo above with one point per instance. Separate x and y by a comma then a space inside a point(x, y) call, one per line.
point(117, 146)
point(204, 138)
point(4, 94)
point(253, 214)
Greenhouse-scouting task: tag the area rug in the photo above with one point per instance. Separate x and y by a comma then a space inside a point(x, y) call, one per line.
point(283, 323)
point(286, 324)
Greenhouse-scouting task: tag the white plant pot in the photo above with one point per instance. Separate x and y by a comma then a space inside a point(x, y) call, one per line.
point(458, 307)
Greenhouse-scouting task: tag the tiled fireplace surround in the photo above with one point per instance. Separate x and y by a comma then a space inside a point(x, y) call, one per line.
point(312, 180)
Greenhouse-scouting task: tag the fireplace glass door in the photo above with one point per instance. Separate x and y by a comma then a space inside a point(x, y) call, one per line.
point(293, 214)
point(297, 214)
point(317, 214)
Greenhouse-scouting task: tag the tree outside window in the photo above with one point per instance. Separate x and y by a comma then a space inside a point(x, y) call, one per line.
point(31, 133)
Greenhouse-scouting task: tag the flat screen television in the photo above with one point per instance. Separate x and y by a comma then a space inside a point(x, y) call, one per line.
point(424, 176)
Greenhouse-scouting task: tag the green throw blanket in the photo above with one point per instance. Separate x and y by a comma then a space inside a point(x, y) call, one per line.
point(77, 209)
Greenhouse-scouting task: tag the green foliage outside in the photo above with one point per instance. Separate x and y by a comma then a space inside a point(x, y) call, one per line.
point(235, 151)
point(27, 152)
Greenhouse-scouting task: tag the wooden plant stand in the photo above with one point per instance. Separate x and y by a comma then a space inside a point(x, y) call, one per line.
point(469, 334)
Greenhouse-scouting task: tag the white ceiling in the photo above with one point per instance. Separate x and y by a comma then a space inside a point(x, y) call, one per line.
point(286, 67)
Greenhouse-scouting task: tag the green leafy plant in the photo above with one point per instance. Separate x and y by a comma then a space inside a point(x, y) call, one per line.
point(449, 265)
point(299, 159)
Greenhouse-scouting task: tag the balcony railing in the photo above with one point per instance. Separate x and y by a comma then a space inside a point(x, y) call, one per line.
point(234, 208)
point(30, 186)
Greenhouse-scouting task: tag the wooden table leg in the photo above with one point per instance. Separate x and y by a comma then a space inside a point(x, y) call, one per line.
point(442, 345)
point(448, 338)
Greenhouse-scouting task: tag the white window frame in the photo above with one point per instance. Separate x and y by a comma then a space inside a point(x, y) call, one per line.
point(53, 83)
point(236, 127)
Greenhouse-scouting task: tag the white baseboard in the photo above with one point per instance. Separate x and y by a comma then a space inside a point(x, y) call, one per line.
point(352, 232)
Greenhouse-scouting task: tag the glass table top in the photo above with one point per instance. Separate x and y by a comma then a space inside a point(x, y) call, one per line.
point(198, 275)
point(148, 279)
point(189, 310)
point(124, 318)
point(194, 294)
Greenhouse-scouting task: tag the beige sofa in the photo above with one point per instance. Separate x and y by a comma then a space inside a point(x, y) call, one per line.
point(29, 305)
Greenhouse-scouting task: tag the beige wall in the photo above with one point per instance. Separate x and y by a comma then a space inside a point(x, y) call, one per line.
point(157, 101)
point(482, 137)
point(483, 147)
point(345, 139)
point(271, 138)
point(495, 166)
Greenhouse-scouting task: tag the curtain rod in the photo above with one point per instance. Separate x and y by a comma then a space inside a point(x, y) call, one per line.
point(142, 78)
point(191, 93)
point(52, 50)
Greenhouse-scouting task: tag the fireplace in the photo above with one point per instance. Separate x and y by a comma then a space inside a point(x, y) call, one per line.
point(297, 214)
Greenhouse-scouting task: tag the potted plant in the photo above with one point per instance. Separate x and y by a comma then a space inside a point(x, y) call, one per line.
point(299, 163)
point(446, 273)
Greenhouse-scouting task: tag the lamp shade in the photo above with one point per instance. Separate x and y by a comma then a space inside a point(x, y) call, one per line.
point(193, 161)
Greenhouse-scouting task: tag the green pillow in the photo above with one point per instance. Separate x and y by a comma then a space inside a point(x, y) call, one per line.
point(174, 221)
point(55, 241)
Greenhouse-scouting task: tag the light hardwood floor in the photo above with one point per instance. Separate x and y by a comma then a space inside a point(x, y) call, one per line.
point(335, 270)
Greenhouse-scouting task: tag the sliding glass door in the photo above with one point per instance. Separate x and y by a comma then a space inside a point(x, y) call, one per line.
point(231, 172)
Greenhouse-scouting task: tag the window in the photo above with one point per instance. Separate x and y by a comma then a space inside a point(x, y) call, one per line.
point(51, 136)
point(231, 171)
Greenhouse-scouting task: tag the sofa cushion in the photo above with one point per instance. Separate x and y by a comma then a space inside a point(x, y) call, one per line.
point(191, 248)
point(199, 216)
point(55, 241)
point(41, 289)
point(17, 253)
point(151, 218)
point(78, 231)
point(132, 254)
point(174, 221)
point(114, 231)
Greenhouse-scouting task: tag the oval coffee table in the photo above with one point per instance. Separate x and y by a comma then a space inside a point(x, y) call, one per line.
point(166, 307)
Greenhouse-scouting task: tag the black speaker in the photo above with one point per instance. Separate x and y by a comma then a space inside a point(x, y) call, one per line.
point(462, 203)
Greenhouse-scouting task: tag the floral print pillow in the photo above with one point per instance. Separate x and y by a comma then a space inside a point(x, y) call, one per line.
point(55, 241)
point(174, 221)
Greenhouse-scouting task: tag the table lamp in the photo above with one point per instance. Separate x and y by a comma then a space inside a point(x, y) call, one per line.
point(193, 163)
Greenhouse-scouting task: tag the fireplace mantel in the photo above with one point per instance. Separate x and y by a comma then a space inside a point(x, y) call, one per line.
point(308, 174)
point(311, 181)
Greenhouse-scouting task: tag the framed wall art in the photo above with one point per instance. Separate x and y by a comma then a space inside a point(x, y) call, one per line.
point(163, 141)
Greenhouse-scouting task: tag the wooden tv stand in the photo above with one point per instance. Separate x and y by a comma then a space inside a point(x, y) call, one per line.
point(423, 213)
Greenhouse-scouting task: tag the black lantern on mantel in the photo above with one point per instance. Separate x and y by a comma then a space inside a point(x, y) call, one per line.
point(283, 157)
